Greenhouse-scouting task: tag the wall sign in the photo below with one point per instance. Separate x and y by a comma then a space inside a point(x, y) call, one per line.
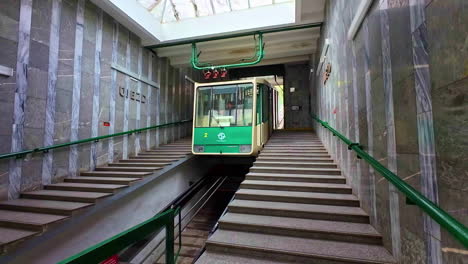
point(135, 96)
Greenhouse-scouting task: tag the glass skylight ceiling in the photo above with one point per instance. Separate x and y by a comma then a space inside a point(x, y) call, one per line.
point(168, 11)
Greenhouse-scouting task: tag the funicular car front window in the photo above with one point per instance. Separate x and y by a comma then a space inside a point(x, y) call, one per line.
point(224, 106)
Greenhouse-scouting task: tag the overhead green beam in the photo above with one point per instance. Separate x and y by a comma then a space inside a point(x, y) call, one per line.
point(235, 35)
point(257, 58)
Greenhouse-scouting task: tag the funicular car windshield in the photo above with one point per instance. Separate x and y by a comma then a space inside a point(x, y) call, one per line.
point(224, 105)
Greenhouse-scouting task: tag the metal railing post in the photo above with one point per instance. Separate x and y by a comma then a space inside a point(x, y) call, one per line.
point(170, 240)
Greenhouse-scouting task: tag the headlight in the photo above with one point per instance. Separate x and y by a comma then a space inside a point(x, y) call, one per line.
point(198, 149)
point(245, 148)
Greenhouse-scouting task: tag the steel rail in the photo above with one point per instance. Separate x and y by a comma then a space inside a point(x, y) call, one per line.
point(454, 227)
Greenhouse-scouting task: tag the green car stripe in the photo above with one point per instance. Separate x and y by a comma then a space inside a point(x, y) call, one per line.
point(222, 139)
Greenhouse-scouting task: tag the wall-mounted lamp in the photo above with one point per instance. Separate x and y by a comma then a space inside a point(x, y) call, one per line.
point(292, 89)
point(323, 56)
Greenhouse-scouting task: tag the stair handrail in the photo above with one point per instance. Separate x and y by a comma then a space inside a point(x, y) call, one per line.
point(45, 149)
point(454, 227)
point(117, 243)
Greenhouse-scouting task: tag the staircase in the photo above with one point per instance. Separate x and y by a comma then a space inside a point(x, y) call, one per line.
point(36, 211)
point(295, 207)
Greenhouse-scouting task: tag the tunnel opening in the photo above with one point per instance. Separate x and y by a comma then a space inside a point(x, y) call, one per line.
point(202, 206)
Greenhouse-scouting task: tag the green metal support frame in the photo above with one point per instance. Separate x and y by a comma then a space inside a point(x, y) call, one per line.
point(457, 229)
point(23, 153)
point(257, 58)
point(235, 35)
point(119, 242)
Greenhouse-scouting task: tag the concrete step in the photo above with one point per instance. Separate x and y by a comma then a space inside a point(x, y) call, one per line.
point(27, 220)
point(11, 236)
point(192, 241)
point(296, 186)
point(169, 154)
point(205, 220)
point(295, 164)
point(296, 249)
point(200, 226)
point(181, 145)
point(43, 206)
point(294, 142)
point(292, 170)
point(159, 156)
point(70, 196)
point(86, 187)
point(129, 169)
point(293, 151)
point(178, 143)
point(190, 232)
point(299, 147)
point(209, 257)
point(180, 260)
point(103, 180)
point(115, 174)
point(257, 176)
point(146, 160)
point(139, 164)
point(293, 159)
point(299, 210)
point(174, 146)
point(170, 149)
point(298, 197)
point(294, 146)
point(188, 251)
point(297, 227)
point(303, 155)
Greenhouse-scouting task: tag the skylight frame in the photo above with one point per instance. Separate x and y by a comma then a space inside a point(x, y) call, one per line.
point(170, 13)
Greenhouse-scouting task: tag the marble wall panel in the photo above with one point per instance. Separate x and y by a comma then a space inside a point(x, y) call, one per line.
point(401, 64)
point(297, 76)
point(405, 116)
point(10, 9)
point(64, 67)
point(8, 28)
point(446, 24)
point(6, 108)
point(450, 123)
point(447, 20)
point(8, 54)
point(41, 19)
point(400, 30)
point(375, 46)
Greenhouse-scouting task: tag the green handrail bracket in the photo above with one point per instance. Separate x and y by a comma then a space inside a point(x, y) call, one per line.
point(257, 58)
point(119, 242)
point(23, 153)
point(457, 229)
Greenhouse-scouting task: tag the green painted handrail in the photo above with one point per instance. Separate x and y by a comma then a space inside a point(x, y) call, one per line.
point(457, 229)
point(119, 242)
point(23, 153)
point(259, 54)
